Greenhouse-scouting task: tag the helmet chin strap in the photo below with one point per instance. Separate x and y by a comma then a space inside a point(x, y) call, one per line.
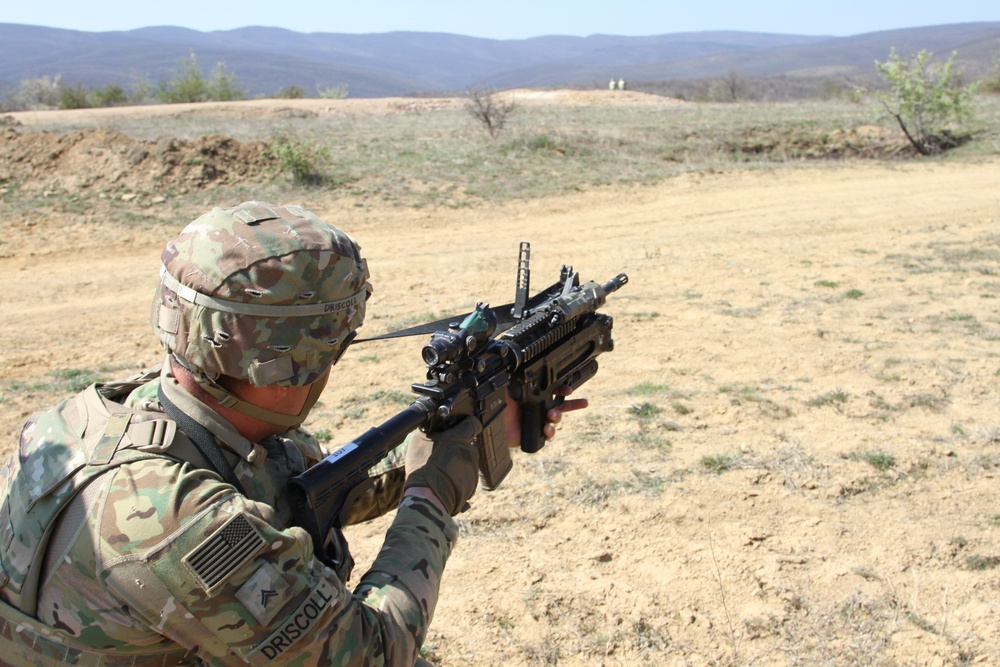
point(229, 400)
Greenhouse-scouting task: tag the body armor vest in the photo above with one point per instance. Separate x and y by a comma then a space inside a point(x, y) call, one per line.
point(61, 452)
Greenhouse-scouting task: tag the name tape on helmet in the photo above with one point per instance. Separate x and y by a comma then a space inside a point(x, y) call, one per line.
point(259, 310)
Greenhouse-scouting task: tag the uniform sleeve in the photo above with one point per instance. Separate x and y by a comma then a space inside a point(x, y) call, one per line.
point(206, 568)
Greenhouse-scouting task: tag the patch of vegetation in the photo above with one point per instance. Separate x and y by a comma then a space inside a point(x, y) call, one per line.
point(719, 464)
point(681, 408)
point(740, 394)
point(743, 392)
point(355, 412)
point(591, 492)
point(879, 460)
point(930, 401)
point(982, 562)
point(921, 622)
point(835, 397)
point(292, 92)
point(648, 638)
point(644, 410)
point(648, 389)
point(982, 258)
point(649, 439)
point(300, 160)
point(985, 462)
point(76, 379)
point(392, 396)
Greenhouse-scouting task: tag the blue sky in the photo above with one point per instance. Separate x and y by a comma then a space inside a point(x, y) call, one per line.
point(507, 19)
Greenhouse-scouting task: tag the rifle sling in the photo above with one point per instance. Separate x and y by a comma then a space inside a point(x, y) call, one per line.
point(202, 439)
point(505, 318)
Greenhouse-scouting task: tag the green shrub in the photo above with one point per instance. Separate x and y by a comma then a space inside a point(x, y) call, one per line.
point(333, 92)
point(926, 100)
point(188, 84)
point(991, 82)
point(74, 97)
point(222, 86)
point(291, 93)
point(718, 464)
point(298, 159)
point(110, 95)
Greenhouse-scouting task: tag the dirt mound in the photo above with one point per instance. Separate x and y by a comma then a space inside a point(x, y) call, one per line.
point(867, 141)
point(591, 97)
point(107, 161)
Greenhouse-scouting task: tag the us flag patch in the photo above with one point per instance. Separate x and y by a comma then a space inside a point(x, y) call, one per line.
point(224, 552)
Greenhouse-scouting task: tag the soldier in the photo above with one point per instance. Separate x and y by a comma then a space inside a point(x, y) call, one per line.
point(146, 522)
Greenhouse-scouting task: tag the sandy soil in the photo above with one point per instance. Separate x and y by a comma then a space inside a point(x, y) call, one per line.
point(790, 458)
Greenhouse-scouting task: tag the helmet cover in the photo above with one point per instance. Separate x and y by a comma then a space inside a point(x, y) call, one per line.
point(264, 293)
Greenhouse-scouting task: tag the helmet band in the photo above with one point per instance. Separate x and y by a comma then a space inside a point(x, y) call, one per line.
point(258, 310)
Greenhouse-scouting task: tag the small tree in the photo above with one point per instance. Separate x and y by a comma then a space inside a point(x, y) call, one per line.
point(110, 95)
point(36, 93)
point(188, 84)
point(74, 97)
point(222, 86)
point(925, 99)
point(491, 112)
point(991, 82)
point(730, 88)
point(141, 90)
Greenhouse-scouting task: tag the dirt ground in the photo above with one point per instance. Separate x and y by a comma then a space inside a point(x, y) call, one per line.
point(790, 458)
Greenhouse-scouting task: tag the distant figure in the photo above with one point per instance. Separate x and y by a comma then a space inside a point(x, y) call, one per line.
point(611, 84)
point(621, 84)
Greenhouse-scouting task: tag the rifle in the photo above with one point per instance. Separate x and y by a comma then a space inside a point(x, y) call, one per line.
point(549, 340)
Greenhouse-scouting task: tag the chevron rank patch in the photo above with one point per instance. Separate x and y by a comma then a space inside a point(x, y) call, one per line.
point(264, 594)
point(224, 552)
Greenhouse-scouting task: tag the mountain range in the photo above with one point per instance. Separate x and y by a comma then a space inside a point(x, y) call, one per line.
point(264, 59)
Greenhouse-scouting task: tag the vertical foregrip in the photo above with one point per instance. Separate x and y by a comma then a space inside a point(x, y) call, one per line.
point(532, 425)
point(533, 421)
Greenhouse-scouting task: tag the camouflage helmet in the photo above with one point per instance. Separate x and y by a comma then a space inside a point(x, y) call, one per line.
point(264, 293)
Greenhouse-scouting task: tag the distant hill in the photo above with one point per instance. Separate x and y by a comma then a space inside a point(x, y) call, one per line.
point(410, 63)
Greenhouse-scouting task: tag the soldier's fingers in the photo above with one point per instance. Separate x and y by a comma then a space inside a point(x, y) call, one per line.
point(574, 404)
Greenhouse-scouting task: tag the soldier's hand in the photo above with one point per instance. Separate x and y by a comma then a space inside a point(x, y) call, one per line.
point(446, 462)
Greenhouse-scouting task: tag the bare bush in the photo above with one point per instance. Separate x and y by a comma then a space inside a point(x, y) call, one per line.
point(489, 110)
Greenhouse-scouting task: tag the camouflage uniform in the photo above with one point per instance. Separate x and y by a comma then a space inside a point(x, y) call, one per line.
point(120, 545)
